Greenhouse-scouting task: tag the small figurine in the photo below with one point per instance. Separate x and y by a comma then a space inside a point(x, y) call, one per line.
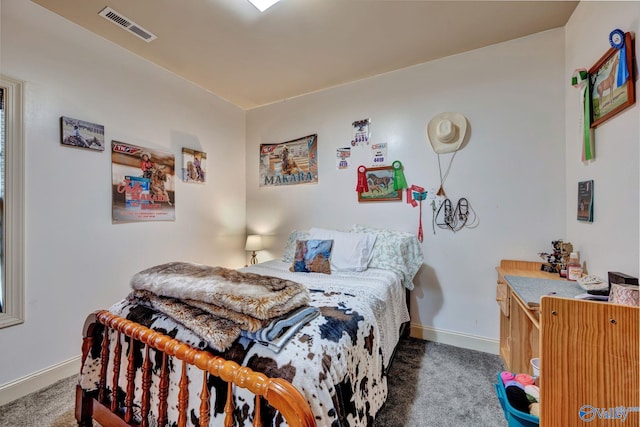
point(557, 260)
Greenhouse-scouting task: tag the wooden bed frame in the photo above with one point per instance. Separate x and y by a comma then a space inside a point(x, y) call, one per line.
point(96, 405)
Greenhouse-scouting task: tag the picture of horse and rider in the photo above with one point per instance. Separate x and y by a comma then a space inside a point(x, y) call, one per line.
point(194, 165)
point(143, 184)
point(78, 133)
point(289, 163)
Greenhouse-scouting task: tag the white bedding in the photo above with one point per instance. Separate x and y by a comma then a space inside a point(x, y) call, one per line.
point(381, 288)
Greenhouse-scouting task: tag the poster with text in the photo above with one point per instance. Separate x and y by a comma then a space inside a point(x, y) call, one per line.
point(143, 184)
point(289, 163)
point(585, 201)
point(343, 158)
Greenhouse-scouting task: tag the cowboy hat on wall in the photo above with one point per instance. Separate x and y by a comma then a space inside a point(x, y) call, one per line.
point(446, 132)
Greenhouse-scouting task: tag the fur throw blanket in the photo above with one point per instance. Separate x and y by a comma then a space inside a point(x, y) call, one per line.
point(216, 303)
point(218, 332)
point(258, 296)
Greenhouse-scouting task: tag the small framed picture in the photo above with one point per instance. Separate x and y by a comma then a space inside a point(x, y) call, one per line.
point(78, 133)
point(194, 166)
point(611, 81)
point(380, 186)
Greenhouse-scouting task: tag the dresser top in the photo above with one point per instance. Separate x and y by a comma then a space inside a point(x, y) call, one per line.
point(531, 289)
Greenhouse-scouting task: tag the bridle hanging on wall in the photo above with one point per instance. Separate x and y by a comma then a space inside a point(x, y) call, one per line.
point(456, 219)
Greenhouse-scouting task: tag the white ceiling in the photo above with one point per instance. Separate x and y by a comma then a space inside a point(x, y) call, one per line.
point(300, 46)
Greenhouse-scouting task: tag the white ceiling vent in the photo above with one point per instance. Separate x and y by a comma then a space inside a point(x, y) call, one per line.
point(126, 23)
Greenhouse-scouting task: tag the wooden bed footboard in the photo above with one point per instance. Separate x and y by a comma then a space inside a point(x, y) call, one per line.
point(98, 405)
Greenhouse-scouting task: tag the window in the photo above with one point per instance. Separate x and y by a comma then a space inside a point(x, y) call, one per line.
point(11, 202)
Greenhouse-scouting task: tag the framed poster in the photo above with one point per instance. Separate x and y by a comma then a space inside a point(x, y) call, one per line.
point(194, 166)
point(289, 163)
point(78, 133)
point(380, 185)
point(611, 82)
point(142, 184)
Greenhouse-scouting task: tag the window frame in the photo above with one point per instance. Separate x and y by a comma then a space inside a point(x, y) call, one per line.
point(13, 222)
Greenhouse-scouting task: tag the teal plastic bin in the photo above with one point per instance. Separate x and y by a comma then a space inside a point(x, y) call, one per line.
point(514, 417)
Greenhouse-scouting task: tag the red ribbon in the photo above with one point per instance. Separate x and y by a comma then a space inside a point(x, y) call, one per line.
point(410, 198)
point(362, 186)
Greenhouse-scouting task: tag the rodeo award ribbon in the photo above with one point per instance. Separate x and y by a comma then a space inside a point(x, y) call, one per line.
point(579, 81)
point(362, 186)
point(616, 39)
point(399, 181)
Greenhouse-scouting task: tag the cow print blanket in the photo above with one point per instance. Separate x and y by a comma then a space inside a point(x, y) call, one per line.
point(337, 360)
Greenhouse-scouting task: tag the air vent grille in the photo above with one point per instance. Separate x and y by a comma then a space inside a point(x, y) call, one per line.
point(124, 22)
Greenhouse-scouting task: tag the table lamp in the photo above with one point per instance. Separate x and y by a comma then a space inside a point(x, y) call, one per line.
point(254, 243)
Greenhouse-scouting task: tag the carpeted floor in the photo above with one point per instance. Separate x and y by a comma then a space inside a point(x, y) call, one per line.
point(430, 385)
point(437, 385)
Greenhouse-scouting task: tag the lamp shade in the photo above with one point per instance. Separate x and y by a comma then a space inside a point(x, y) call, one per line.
point(254, 243)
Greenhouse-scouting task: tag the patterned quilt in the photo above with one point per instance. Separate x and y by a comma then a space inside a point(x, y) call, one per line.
point(337, 360)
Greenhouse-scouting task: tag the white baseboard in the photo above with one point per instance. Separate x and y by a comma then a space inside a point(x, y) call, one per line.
point(37, 380)
point(455, 339)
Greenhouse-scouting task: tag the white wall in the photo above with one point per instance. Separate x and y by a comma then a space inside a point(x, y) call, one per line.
point(611, 242)
point(519, 171)
point(512, 171)
point(77, 261)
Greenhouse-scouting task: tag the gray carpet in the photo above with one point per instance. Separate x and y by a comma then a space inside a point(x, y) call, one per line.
point(430, 385)
point(437, 385)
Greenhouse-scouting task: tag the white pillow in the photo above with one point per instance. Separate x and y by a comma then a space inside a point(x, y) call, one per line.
point(350, 252)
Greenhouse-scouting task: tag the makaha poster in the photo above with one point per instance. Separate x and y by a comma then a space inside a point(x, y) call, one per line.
point(289, 163)
point(143, 184)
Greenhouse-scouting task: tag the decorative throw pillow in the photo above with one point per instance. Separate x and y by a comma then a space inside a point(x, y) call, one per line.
point(290, 246)
point(350, 251)
point(397, 251)
point(312, 256)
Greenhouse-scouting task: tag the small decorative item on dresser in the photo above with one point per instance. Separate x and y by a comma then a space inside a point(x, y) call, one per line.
point(625, 294)
point(557, 260)
point(574, 269)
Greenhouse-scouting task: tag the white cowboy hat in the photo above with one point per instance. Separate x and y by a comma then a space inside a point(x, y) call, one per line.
point(446, 131)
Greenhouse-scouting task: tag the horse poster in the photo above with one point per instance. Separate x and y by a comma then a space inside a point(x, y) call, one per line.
point(289, 163)
point(143, 184)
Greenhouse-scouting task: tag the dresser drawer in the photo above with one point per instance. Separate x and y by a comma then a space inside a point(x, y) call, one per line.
point(502, 297)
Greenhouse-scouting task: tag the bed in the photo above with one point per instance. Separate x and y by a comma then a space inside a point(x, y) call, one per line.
point(329, 370)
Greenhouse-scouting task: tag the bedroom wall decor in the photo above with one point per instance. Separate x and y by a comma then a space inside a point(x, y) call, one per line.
point(361, 132)
point(377, 185)
point(142, 183)
point(585, 201)
point(289, 163)
point(194, 166)
point(579, 81)
point(446, 133)
point(78, 133)
point(448, 217)
point(611, 80)
point(343, 158)
point(379, 154)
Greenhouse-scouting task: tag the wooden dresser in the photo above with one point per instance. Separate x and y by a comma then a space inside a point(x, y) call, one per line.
point(519, 321)
point(589, 351)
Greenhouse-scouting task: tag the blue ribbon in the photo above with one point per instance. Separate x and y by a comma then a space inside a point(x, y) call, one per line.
point(623, 73)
